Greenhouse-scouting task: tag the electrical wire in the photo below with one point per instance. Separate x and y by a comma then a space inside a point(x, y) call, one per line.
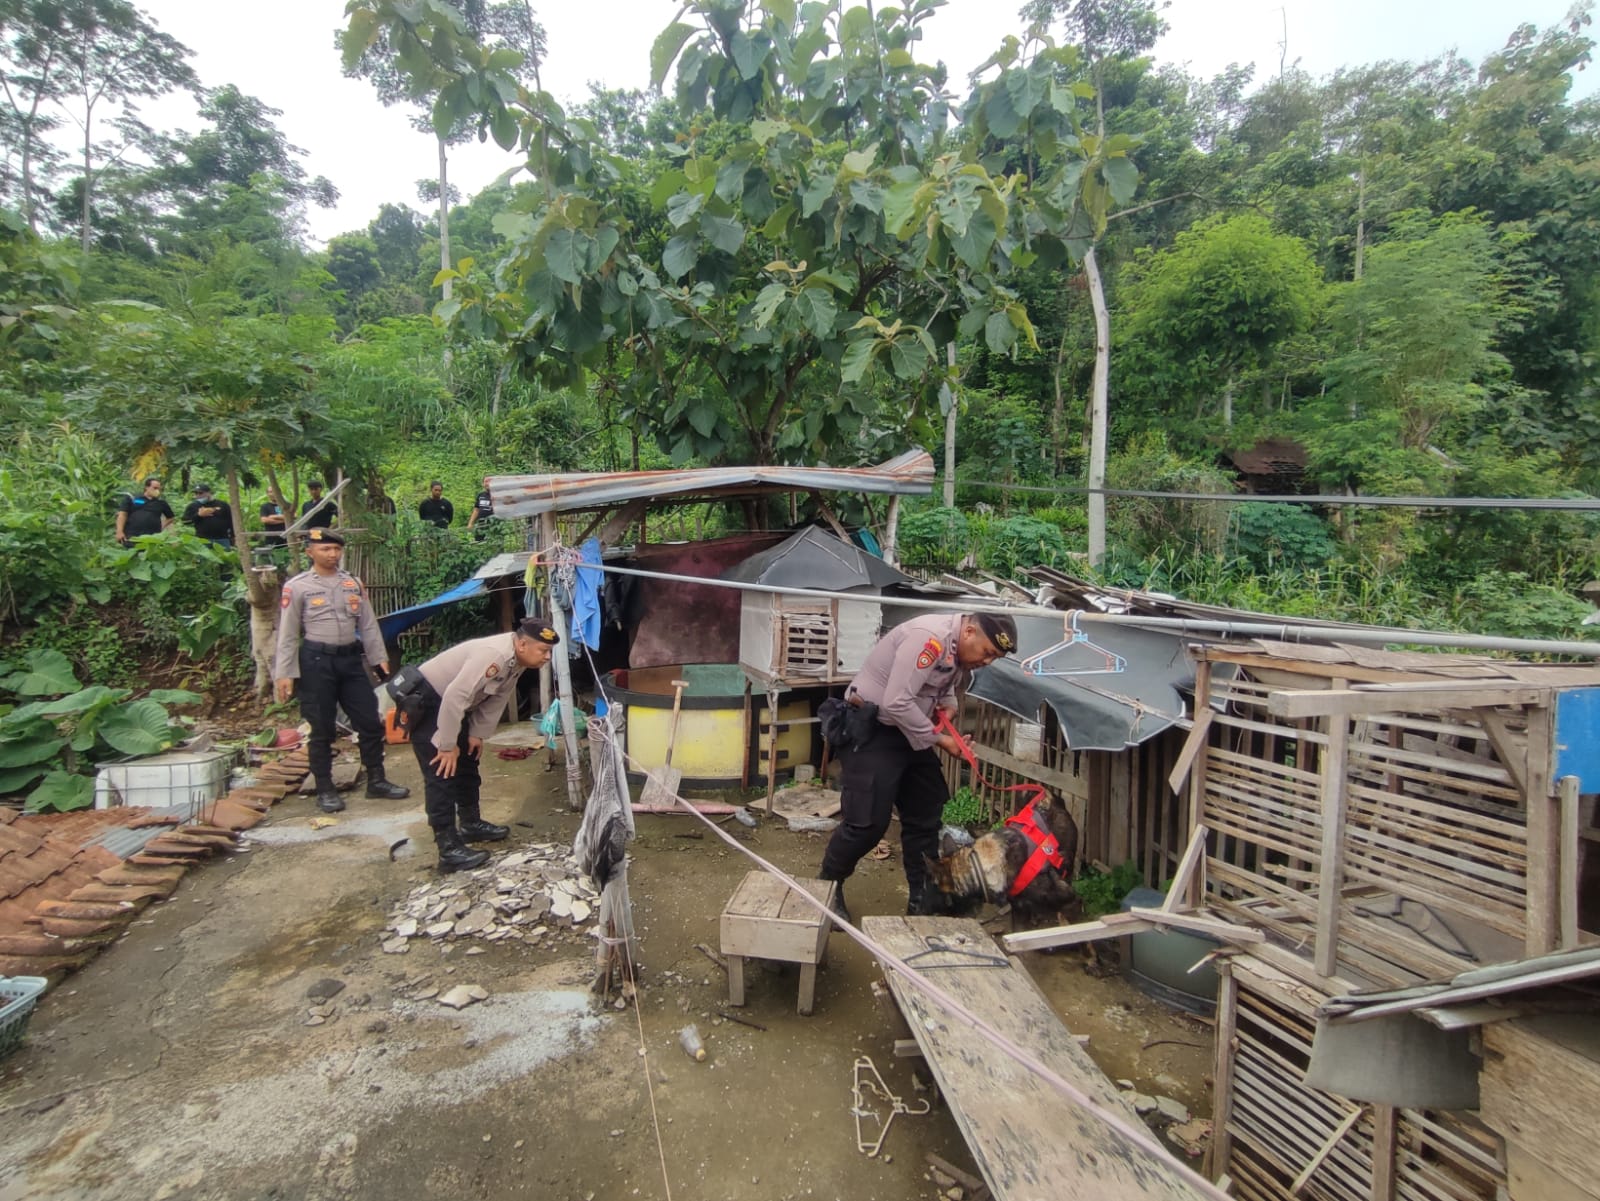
point(1589, 504)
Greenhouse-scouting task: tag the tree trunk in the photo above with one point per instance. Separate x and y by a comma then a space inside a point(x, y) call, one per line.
point(1098, 410)
point(1058, 418)
point(88, 181)
point(444, 215)
point(261, 589)
point(1361, 218)
point(950, 429)
point(1227, 404)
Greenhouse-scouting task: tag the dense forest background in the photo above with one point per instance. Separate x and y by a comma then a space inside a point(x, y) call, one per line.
point(809, 246)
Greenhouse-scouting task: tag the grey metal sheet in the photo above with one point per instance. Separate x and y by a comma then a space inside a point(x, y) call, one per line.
point(813, 558)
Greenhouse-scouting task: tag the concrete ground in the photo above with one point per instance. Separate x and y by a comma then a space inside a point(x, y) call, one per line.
point(180, 1065)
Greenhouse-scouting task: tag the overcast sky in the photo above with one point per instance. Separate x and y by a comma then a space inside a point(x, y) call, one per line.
point(283, 54)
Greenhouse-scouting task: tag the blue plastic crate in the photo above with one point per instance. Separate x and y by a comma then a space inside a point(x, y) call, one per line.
point(18, 995)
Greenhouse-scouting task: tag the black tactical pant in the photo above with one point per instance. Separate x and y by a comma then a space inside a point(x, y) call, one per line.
point(443, 798)
point(332, 678)
point(885, 776)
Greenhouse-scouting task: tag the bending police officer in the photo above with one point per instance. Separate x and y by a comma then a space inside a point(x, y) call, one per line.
point(452, 709)
point(330, 607)
point(914, 669)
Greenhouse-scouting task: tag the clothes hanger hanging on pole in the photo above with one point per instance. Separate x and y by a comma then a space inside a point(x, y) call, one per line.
point(1110, 662)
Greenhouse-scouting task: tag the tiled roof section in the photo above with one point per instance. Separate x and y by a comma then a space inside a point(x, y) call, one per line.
point(64, 894)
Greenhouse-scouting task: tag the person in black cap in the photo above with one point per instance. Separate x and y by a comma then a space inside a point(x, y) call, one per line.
point(916, 668)
point(322, 518)
point(211, 519)
point(456, 705)
point(330, 607)
point(436, 510)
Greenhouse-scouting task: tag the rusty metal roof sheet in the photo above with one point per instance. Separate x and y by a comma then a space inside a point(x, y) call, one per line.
point(910, 474)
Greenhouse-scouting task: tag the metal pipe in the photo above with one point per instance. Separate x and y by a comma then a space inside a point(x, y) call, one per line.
point(1283, 632)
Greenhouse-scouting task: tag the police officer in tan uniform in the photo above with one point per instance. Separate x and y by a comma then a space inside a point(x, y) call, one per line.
point(913, 670)
point(330, 607)
point(462, 694)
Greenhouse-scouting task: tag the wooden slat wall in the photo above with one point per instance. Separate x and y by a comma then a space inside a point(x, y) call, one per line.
point(1276, 1123)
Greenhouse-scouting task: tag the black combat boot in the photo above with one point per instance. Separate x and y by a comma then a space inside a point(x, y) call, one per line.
point(455, 855)
point(379, 788)
point(328, 798)
point(838, 908)
point(924, 900)
point(478, 830)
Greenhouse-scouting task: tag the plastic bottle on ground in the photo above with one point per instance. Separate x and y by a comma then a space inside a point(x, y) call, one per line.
point(689, 1040)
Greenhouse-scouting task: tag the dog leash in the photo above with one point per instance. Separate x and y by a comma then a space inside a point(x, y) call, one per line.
point(1034, 792)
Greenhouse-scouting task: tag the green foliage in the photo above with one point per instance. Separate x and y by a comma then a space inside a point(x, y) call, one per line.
point(1102, 892)
point(1144, 526)
point(964, 808)
point(934, 537)
point(1272, 536)
point(1007, 545)
point(61, 730)
point(1508, 603)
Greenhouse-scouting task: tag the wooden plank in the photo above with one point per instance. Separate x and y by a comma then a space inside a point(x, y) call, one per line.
point(1544, 833)
point(1198, 771)
point(1029, 1141)
point(1330, 865)
point(1540, 1075)
point(1339, 1131)
point(1225, 1048)
point(1408, 698)
point(1193, 922)
point(1192, 746)
point(1179, 889)
point(1567, 862)
point(1509, 747)
point(1113, 925)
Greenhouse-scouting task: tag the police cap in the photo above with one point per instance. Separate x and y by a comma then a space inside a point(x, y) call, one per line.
point(1001, 630)
point(319, 535)
point(539, 630)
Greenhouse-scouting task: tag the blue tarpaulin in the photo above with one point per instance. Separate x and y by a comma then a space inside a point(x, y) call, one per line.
point(396, 623)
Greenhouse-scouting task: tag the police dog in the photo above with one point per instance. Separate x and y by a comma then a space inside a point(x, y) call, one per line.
point(986, 870)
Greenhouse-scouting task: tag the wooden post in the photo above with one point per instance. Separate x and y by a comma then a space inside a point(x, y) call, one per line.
point(1195, 893)
point(1544, 833)
point(891, 533)
point(1384, 1146)
point(1222, 1071)
point(563, 664)
point(1330, 868)
point(772, 745)
point(1567, 871)
point(536, 545)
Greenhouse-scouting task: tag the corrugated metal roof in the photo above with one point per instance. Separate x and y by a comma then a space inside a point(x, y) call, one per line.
point(910, 474)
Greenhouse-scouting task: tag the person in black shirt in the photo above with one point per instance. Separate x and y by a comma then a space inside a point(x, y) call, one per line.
point(211, 519)
point(324, 517)
point(145, 514)
point(436, 510)
point(482, 508)
point(274, 522)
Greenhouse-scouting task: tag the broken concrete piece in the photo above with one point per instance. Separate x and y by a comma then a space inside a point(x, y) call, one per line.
point(580, 911)
point(1141, 1103)
point(325, 988)
point(406, 928)
point(463, 995)
point(396, 946)
point(439, 929)
point(1175, 1111)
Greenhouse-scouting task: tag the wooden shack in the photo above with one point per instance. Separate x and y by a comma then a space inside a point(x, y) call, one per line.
point(1389, 819)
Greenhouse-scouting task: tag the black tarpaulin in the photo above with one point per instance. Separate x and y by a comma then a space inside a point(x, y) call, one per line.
point(813, 558)
point(1102, 712)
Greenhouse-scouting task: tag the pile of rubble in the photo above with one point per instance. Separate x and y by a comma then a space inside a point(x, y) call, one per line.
point(522, 894)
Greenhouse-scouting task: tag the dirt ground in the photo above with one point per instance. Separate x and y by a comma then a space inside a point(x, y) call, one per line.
point(179, 1064)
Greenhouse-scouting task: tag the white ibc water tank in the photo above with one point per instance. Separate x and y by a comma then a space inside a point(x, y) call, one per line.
point(162, 781)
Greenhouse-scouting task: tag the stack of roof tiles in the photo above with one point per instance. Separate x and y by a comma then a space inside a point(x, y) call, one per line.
point(64, 896)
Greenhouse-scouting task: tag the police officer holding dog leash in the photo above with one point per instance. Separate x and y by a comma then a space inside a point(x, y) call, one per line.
point(883, 732)
point(452, 702)
point(331, 608)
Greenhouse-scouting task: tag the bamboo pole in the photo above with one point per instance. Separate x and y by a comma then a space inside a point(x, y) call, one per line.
point(569, 730)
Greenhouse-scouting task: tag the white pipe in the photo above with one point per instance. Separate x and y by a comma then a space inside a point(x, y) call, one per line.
point(1282, 632)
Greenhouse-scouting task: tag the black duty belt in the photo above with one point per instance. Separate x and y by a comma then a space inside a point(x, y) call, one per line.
point(327, 648)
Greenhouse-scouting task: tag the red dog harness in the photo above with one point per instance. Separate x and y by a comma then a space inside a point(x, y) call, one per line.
point(1045, 848)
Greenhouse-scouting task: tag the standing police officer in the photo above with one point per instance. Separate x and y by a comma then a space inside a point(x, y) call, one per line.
point(914, 669)
point(331, 608)
point(455, 706)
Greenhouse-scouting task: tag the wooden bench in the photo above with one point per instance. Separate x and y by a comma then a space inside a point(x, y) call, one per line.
point(764, 919)
point(1029, 1141)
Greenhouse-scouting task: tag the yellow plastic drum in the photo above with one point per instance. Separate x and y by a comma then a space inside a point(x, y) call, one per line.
point(713, 743)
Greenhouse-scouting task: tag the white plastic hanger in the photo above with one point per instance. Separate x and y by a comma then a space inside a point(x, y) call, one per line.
point(1111, 662)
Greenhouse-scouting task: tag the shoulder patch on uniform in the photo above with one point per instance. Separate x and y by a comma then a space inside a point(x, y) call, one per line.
point(931, 650)
point(287, 596)
point(491, 671)
point(352, 583)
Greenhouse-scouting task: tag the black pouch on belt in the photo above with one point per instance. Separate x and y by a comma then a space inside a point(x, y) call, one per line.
point(846, 726)
point(407, 687)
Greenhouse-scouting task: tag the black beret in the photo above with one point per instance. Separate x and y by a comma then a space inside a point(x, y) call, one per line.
point(539, 630)
point(322, 534)
point(1001, 629)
